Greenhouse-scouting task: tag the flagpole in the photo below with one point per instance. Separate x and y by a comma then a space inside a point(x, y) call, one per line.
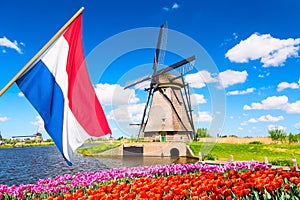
point(33, 59)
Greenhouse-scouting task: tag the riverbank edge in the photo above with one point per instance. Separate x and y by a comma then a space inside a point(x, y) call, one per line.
point(20, 145)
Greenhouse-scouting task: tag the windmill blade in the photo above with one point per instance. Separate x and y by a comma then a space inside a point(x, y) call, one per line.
point(163, 46)
point(176, 65)
point(138, 81)
point(156, 56)
point(142, 127)
point(188, 104)
point(173, 108)
point(155, 62)
point(162, 71)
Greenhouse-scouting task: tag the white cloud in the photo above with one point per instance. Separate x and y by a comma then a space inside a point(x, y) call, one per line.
point(252, 120)
point(228, 40)
point(142, 85)
point(21, 94)
point(297, 125)
point(125, 107)
point(127, 113)
point(241, 92)
point(246, 107)
point(39, 123)
point(275, 127)
point(226, 78)
point(264, 118)
point(243, 124)
point(166, 8)
point(115, 94)
point(270, 51)
point(293, 108)
point(202, 117)
point(4, 119)
point(270, 118)
point(261, 76)
point(284, 85)
point(175, 6)
point(230, 77)
point(4, 42)
point(197, 99)
point(276, 102)
point(199, 79)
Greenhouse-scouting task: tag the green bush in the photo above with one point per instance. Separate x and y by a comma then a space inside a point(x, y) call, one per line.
point(277, 135)
point(209, 157)
point(202, 133)
point(294, 138)
point(49, 140)
point(282, 162)
point(255, 142)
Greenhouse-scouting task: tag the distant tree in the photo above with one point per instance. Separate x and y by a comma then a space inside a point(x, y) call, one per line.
point(29, 141)
point(120, 138)
point(49, 140)
point(277, 134)
point(202, 133)
point(294, 138)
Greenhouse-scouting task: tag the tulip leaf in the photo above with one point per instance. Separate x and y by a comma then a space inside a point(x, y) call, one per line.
point(256, 195)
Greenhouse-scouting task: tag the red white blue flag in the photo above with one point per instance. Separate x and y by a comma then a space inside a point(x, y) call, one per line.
point(59, 88)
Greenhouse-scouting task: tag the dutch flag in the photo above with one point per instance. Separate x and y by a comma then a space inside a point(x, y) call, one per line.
point(59, 88)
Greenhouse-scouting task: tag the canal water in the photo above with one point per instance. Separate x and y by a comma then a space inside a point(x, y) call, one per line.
point(27, 165)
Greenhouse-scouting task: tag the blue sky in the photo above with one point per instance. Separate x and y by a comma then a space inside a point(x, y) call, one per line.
point(253, 44)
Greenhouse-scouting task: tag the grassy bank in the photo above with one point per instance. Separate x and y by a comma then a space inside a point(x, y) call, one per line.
point(22, 144)
point(277, 154)
point(99, 148)
point(222, 151)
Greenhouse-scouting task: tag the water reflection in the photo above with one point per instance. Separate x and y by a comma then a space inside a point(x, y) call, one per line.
point(29, 164)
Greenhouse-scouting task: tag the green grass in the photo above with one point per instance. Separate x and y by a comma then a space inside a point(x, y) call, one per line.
point(21, 144)
point(94, 150)
point(222, 151)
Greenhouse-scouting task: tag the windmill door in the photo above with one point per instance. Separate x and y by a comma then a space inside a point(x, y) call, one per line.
point(163, 137)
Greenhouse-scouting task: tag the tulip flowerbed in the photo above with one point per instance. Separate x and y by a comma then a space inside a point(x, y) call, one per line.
point(233, 180)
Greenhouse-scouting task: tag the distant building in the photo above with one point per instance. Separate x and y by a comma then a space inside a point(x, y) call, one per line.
point(37, 137)
point(22, 138)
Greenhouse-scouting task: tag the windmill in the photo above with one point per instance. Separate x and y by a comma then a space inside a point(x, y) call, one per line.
point(167, 115)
